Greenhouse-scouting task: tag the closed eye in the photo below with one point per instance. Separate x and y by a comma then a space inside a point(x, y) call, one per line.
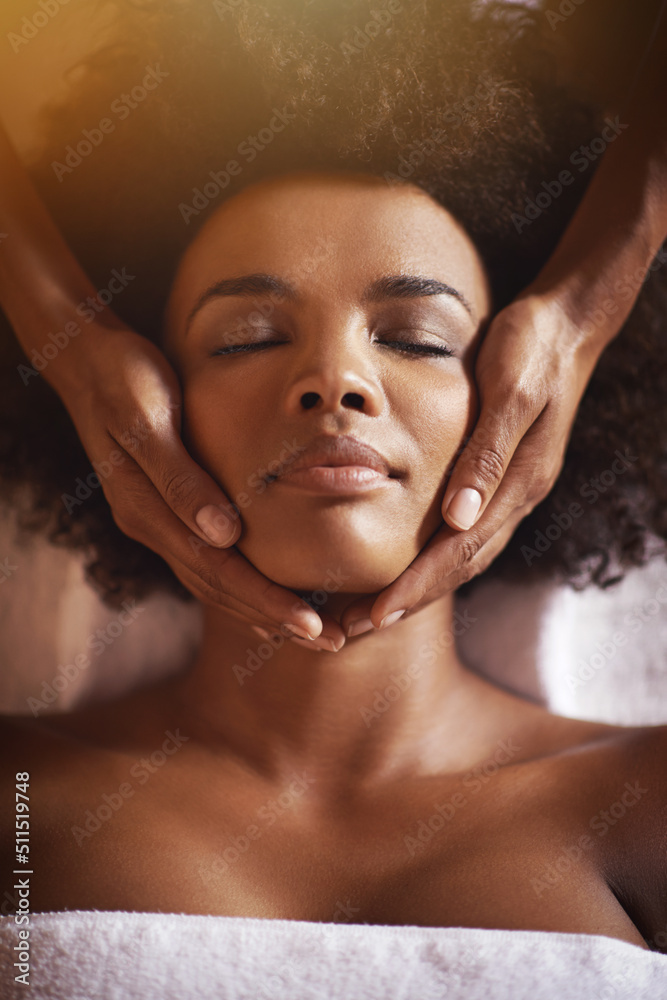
point(415, 348)
point(405, 347)
point(239, 348)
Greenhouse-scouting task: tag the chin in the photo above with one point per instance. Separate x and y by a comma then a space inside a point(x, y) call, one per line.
point(366, 549)
point(336, 569)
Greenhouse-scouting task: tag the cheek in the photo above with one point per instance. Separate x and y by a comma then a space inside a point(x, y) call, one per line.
point(440, 418)
point(221, 422)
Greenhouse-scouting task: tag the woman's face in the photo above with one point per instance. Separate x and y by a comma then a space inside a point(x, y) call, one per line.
point(315, 317)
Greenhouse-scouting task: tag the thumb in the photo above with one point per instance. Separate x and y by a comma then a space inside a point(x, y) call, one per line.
point(480, 468)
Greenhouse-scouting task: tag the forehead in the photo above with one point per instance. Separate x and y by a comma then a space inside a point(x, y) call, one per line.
point(329, 233)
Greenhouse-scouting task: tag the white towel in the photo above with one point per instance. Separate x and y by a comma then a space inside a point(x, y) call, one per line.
point(81, 955)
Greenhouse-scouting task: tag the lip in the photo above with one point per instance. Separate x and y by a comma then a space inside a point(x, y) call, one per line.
point(338, 465)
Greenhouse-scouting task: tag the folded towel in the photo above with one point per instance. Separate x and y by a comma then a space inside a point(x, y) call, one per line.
point(81, 955)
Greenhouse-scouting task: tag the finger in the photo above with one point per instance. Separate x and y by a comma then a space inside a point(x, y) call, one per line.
point(480, 468)
point(480, 562)
point(446, 559)
point(186, 488)
point(356, 619)
point(331, 638)
point(225, 575)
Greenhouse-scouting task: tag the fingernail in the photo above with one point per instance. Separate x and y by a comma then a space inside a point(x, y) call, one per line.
point(298, 631)
point(218, 527)
point(323, 642)
point(464, 507)
point(361, 625)
point(390, 619)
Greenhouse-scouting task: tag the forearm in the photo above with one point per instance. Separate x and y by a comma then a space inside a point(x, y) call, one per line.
point(603, 258)
point(41, 282)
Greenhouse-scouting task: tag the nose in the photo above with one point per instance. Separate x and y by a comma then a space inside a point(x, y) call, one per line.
point(333, 374)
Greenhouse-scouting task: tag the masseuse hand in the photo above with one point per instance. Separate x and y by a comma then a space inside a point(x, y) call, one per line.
point(125, 401)
point(540, 352)
point(531, 372)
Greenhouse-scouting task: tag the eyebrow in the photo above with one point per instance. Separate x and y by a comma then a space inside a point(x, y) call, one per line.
point(397, 286)
point(411, 286)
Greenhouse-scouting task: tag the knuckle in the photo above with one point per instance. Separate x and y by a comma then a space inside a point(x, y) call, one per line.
point(134, 431)
point(541, 485)
point(527, 397)
point(480, 555)
point(208, 580)
point(488, 465)
point(198, 579)
point(206, 592)
point(467, 550)
point(524, 509)
point(179, 488)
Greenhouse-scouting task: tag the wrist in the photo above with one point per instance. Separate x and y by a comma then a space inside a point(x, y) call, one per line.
point(63, 348)
point(596, 296)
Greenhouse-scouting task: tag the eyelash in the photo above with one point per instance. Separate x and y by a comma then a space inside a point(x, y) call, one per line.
point(404, 346)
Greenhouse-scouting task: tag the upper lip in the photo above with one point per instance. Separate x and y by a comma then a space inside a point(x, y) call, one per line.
point(340, 449)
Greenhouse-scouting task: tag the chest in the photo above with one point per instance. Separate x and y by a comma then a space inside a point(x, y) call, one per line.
point(493, 853)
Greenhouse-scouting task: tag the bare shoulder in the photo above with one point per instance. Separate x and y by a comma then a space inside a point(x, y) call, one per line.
point(611, 783)
point(630, 823)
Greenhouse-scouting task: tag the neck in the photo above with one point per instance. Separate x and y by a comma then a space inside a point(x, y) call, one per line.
point(390, 702)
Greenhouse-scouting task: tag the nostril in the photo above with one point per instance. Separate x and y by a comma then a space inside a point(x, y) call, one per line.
point(354, 400)
point(309, 400)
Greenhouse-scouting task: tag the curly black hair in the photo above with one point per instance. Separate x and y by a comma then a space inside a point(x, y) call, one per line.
point(459, 99)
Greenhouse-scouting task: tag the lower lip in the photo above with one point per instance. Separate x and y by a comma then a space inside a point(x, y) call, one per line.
point(336, 479)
